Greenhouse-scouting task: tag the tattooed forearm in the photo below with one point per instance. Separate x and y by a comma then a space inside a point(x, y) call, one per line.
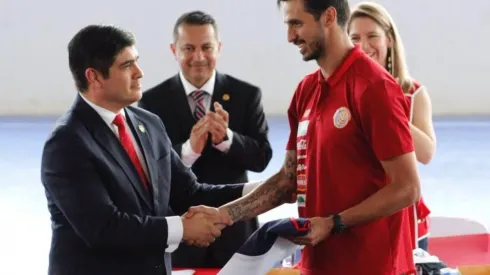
point(275, 191)
point(290, 165)
point(270, 194)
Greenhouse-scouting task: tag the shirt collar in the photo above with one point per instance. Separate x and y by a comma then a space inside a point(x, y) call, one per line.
point(351, 56)
point(207, 87)
point(106, 115)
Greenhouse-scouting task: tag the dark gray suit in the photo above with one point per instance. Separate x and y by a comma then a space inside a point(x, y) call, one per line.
point(103, 220)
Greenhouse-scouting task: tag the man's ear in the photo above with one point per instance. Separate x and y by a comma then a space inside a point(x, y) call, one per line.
point(173, 48)
point(329, 17)
point(94, 77)
point(219, 48)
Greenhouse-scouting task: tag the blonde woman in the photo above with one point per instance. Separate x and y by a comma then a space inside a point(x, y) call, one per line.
point(372, 27)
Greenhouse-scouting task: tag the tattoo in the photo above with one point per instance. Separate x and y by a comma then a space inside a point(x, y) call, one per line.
point(275, 191)
point(290, 165)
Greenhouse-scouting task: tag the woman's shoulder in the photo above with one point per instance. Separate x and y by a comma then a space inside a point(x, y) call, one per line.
point(416, 87)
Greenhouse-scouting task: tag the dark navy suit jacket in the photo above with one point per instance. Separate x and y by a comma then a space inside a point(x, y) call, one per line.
point(103, 219)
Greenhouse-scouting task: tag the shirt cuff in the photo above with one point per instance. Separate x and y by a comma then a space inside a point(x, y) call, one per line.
point(188, 155)
point(225, 145)
point(250, 186)
point(175, 233)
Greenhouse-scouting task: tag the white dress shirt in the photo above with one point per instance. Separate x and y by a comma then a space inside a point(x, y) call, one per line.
point(188, 155)
point(174, 223)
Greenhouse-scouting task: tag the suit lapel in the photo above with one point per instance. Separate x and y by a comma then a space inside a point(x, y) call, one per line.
point(221, 93)
point(180, 106)
point(109, 142)
point(180, 103)
point(141, 135)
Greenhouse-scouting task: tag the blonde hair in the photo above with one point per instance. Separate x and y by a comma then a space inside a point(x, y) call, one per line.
point(380, 15)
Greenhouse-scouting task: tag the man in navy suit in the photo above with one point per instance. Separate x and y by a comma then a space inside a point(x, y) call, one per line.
point(111, 177)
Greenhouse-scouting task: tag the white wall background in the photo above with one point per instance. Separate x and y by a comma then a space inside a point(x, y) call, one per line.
point(446, 41)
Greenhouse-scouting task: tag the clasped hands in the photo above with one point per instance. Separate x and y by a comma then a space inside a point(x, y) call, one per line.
point(214, 123)
point(203, 224)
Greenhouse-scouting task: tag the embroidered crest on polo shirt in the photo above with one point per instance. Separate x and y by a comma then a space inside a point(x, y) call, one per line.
point(341, 117)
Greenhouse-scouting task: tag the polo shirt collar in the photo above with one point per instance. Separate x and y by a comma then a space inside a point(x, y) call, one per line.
point(351, 56)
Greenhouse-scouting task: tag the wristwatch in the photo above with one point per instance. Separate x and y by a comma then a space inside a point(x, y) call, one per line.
point(338, 224)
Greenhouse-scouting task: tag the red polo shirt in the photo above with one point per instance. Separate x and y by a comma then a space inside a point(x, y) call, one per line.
point(341, 128)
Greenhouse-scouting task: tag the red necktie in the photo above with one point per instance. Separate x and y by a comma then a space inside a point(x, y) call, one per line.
point(128, 145)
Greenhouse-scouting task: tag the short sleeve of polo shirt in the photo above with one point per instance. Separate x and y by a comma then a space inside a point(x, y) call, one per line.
point(293, 121)
point(383, 112)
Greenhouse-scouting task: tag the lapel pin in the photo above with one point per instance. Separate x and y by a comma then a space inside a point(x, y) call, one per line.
point(226, 97)
point(142, 128)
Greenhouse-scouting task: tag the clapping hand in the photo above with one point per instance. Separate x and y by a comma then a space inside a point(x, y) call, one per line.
point(199, 135)
point(218, 123)
point(202, 225)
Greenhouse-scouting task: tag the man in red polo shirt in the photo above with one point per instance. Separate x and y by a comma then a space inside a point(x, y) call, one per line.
point(350, 156)
point(356, 169)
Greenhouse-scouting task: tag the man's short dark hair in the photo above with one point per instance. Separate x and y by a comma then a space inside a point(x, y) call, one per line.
point(96, 46)
point(196, 18)
point(317, 7)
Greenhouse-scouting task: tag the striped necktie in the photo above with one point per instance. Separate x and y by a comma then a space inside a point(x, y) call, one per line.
point(199, 97)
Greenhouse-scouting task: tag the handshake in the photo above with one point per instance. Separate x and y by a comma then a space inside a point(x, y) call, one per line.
point(202, 225)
